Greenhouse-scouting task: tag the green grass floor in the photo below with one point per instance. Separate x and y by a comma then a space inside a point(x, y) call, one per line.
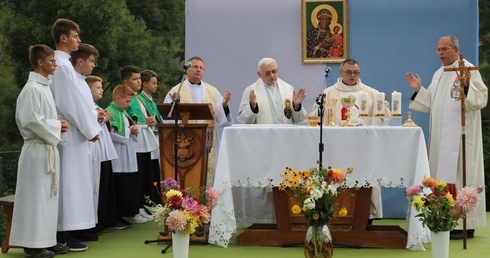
point(130, 243)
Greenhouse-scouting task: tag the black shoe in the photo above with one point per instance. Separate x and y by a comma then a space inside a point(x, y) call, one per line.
point(458, 234)
point(59, 248)
point(87, 236)
point(38, 253)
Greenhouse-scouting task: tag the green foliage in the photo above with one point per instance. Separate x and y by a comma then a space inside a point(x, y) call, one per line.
point(121, 38)
point(484, 56)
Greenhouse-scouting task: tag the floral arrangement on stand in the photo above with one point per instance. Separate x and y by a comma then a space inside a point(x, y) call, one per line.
point(183, 210)
point(315, 192)
point(438, 209)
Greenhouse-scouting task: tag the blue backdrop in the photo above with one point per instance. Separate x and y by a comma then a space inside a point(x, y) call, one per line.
point(387, 37)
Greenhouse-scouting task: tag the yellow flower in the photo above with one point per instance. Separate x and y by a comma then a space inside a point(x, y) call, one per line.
point(296, 209)
point(450, 199)
point(350, 170)
point(343, 212)
point(173, 192)
point(441, 184)
point(418, 202)
point(316, 216)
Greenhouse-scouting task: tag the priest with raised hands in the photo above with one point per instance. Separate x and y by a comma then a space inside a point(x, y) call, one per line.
point(271, 100)
point(442, 99)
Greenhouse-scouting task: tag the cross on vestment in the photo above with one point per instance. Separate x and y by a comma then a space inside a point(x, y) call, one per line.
point(463, 75)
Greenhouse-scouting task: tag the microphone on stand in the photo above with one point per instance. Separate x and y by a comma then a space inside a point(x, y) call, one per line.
point(187, 65)
point(327, 70)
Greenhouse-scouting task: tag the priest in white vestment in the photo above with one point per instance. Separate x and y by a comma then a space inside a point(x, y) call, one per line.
point(442, 100)
point(194, 90)
point(347, 85)
point(36, 197)
point(271, 100)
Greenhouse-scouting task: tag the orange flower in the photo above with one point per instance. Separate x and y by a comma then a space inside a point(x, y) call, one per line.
point(336, 175)
point(429, 182)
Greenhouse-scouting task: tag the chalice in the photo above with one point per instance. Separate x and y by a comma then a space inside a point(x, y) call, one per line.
point(330, 105)
point(348, 103)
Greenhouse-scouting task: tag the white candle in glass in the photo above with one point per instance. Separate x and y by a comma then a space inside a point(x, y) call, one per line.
point(396, 104)
point(379, 109)
point(363, 104)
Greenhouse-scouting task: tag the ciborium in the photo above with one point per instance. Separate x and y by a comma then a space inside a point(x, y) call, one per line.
point(330, 105)
point(348, 103)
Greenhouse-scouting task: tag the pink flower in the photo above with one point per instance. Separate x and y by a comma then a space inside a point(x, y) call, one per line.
point(176, 220)
point(204, 214)
point(212, 197)
point(413, 190)
point(467, 200)
point(191, 205)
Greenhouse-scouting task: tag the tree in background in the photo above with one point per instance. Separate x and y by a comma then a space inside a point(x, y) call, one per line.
point(152, 38)
point(484, 57)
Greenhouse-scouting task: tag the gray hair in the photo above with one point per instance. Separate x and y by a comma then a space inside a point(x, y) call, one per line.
point(454, 41)
point(265, 62)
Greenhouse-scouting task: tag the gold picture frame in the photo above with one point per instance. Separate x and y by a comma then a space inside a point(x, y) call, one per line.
point(330, 43)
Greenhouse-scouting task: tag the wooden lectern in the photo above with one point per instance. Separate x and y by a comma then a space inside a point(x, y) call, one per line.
point(194, 140)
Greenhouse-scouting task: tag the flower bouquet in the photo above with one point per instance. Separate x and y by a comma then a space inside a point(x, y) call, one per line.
point(438, 209)
point(316, 192)
point(183, 210)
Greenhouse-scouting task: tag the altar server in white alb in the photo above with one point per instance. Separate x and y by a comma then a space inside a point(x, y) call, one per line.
point(195, 90)
point(349, 84)
point(442, 100)
point(75, 104)
point(271, 100)
point(36, 197)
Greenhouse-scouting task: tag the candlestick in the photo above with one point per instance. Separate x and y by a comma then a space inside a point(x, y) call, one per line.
point(396, 104)
point(363, 104)
point(380, 107)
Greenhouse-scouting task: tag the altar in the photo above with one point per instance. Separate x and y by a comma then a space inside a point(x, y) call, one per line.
point(255, 156)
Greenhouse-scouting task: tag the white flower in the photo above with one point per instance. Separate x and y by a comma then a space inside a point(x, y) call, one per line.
point(316, 193)
point(332, 189)
point(309, 203)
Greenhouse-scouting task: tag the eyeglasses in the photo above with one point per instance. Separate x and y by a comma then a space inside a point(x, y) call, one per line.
point(198, 67)
point(443, 49)
point(350, 73)
point(53, 61)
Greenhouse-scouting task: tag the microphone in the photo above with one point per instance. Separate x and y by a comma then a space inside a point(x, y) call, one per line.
point(187, 65)
point(327, 70)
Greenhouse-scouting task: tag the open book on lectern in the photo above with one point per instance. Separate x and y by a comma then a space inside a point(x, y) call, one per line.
point(187, 111)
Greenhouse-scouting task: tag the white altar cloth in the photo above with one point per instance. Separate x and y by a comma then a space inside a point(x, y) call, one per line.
point(256, 156)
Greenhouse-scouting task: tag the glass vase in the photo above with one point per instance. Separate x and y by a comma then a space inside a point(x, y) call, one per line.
point(318, 242)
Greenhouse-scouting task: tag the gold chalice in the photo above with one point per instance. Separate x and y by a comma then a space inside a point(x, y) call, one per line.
point(313, 120)
point(330, 105)
point(348, 103)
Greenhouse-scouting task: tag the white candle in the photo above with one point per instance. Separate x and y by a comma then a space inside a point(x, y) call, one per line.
point(396, 104)
point(363, 104)
point(379, 109)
